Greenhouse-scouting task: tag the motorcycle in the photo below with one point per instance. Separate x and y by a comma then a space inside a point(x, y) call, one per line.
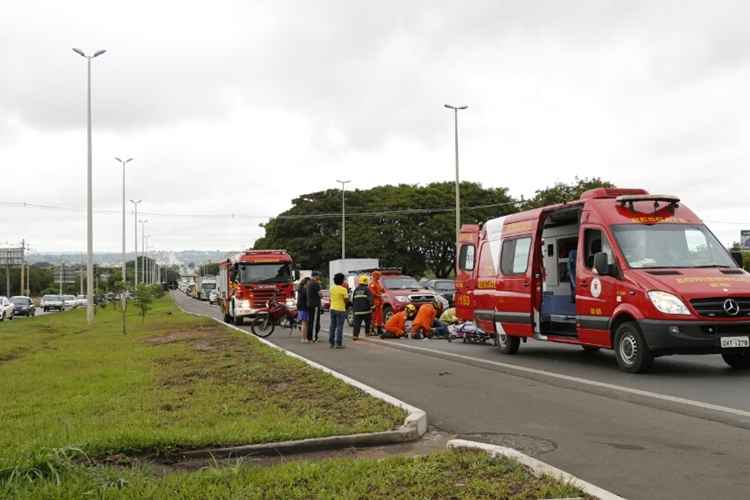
point(276, 313)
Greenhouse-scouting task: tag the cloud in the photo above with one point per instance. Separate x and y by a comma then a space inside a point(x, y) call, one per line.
point(243, 106)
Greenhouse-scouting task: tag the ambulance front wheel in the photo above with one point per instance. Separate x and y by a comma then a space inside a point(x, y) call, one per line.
point(631, 350)
point(508, 344)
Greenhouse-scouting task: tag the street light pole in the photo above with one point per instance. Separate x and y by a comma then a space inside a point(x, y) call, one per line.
point(123, 163)
point(143, 248)
point(458, 189)
point(89, 204)
point(343, 218)
point(135, 240)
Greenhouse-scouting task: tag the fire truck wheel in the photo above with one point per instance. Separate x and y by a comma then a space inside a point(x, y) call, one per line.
point(508, 344)
point(739, 360)
point(631, 349)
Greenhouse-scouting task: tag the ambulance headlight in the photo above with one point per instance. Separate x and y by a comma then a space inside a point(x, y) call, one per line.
point(667, 303)
point(243, 304)
point(291, 302)
point(402, 299)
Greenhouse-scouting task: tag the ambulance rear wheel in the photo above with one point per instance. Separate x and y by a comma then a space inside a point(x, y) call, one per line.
point(508, 344)
point(739, 360)
point(631, 349)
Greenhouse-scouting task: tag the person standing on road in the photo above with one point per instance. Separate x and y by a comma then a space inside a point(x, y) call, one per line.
point(362, 307)
point(303, 314)
point(313, 307)
point(339, 298)
point(377, 291)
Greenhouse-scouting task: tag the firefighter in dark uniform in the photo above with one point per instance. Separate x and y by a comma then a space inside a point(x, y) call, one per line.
point(362, 307)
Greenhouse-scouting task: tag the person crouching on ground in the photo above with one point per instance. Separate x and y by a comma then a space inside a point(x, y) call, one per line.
point(396, 325)
point(303, 314)
point(426, 322)
point(339, 298)
point(362, 307)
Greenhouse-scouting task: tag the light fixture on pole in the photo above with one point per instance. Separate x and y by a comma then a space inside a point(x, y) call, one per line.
point(135, 239)
point(458, 189)
point(343, 218)
point(89, 203)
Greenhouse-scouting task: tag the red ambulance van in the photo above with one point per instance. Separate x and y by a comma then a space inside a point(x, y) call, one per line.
point(618, 269)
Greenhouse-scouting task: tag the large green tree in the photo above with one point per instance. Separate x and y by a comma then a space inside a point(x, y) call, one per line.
point(418, 241)
point(563, 193)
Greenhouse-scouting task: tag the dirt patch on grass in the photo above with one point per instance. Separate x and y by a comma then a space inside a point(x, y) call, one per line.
point(183, 336)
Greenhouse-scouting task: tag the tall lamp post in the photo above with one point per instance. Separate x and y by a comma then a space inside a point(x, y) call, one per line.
point(343, 218)
point(143, 248)
point(123, 163)
point(456, 109)
point(135, 240)
point(89, 194)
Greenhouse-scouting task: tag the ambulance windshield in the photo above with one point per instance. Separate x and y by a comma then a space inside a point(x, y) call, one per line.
point(670, 245)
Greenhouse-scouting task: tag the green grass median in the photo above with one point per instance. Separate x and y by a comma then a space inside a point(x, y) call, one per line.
point(450, 474)
point(174, 382)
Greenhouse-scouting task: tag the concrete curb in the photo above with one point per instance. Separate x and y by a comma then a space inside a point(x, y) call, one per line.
point(675, 404)
point(538, 467)
point(413, 428)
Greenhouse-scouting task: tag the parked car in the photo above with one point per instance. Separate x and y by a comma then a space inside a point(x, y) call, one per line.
point(213, 296)
point(23, 306)
point(69, 301)
point(443, 288)
point(81, 301)
point(52, 303)
point(6, 309)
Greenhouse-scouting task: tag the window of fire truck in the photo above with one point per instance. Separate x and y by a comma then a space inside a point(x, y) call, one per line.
point(265, 273)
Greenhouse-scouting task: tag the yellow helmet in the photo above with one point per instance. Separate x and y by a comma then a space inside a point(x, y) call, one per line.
point(410, 309)
point(363, 279)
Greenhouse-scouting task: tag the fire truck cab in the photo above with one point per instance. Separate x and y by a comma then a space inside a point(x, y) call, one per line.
point(247, 281)
point(618, 269)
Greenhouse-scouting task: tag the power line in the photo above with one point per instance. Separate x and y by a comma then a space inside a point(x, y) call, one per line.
point(381, 213)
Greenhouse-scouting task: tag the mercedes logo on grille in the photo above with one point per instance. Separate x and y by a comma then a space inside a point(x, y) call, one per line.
point(731, 307)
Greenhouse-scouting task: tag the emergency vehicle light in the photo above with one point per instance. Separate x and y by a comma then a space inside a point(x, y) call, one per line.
point(631, 200)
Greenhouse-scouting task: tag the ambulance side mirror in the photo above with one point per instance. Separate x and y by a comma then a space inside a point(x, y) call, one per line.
point(601, 264)
point(737, 256)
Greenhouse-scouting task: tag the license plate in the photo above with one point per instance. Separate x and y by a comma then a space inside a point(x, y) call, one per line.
point(730, 342)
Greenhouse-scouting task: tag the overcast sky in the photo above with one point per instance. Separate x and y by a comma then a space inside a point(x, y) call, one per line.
point(238, 107)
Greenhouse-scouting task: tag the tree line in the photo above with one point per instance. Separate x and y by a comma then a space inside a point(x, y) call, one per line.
point(421, 243)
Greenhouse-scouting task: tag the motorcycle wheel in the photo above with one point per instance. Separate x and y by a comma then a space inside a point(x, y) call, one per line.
point(264, 327)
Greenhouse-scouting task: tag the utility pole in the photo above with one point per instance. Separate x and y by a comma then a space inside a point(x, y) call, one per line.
point(62, 266)
point(343, 218)
point(456, 109)
point(89, 201)
point(135, 239)
point(124, 260)
point(143, 247)
point(23, 261)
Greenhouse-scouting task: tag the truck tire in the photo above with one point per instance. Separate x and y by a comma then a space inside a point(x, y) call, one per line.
point(631, 349)
point(739, 360)
point(508, 344)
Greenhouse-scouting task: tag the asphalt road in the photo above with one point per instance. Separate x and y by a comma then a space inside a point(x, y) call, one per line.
point(634, 450)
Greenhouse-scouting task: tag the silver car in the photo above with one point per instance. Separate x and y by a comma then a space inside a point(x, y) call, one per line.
point(52, 302)
point(6, 309)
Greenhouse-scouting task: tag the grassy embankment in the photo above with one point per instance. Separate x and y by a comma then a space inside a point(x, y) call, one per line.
point(77, 402)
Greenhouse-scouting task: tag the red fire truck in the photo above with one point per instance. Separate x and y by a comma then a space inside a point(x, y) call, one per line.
point(248, 280)
point(617, 269)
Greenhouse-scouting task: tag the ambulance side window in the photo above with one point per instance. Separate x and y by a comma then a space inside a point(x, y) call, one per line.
point(515, 256)
point(466, 258)
point(596, 242)
point(486, 265)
